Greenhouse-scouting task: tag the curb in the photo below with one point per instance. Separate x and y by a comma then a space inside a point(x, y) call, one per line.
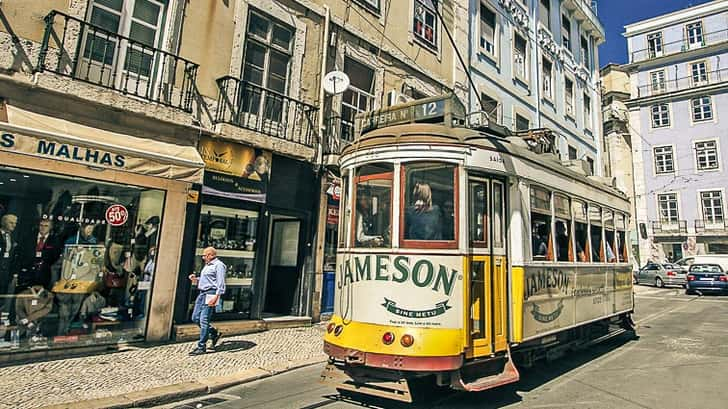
point(186, 390)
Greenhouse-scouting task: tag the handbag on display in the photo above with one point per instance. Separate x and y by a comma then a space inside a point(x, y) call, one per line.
point(113, 279)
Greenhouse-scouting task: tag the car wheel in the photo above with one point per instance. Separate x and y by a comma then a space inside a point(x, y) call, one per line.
point(659, 283)
point(688, 292)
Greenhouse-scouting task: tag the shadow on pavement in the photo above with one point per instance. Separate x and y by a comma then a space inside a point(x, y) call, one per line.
point(234, 346)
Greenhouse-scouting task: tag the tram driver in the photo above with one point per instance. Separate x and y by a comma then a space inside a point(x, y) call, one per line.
point(365, 225)
point(423, 219)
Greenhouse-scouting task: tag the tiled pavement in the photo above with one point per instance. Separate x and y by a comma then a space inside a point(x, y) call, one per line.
point(99, 376)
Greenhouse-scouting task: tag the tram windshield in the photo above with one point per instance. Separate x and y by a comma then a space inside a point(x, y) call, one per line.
point(373, 198)
point(429, 206)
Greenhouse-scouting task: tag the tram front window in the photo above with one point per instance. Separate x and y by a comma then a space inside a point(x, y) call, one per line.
point(429, 208)
point(373, 222)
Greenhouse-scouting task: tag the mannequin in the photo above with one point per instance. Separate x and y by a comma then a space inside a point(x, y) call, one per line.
point(7, 257)
point(35, 304)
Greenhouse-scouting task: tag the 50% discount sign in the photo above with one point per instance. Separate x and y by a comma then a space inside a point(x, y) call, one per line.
point(117, 215)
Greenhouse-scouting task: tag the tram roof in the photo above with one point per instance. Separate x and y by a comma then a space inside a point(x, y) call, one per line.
point(438, 134)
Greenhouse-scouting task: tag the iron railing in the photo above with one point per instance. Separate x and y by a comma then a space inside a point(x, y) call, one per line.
point(83, 51)
point(711, 226)
point(680, 84)
point(670, 227)
point(337, 135)
point(678, 46)
point(253, 107)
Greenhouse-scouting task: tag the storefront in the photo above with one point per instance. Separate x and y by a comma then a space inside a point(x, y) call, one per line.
point(91, 233)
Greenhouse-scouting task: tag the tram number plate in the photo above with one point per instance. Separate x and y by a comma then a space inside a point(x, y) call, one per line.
point(430, 109)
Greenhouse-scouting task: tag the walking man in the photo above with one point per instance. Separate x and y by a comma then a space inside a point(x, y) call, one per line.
point(211, 285)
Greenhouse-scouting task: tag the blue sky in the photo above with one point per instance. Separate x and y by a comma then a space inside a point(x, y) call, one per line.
point(615, 14)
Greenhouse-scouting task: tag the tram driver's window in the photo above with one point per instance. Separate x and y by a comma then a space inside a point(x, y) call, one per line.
point(373, 206)
point(581, 231)
point(542, 245)
point(595, 233)
point(429, 202)
point(562, 228)
point(609, 248)
point(478, 199)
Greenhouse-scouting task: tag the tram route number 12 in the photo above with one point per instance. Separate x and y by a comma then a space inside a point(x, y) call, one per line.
point(430, 109)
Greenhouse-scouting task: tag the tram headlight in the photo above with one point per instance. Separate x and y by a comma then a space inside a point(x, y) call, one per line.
point(407, 340)
point(388, 338)
point(338, 329)
point(330, 327)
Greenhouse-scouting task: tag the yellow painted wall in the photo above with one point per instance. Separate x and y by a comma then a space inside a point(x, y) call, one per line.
point(26, 16)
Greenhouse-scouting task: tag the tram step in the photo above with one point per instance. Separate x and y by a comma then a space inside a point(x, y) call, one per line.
point(508, 374)
point(367, 382)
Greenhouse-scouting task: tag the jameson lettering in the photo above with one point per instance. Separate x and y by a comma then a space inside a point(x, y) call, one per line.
point(547, 279)
point(422, 273)
point(546, 318)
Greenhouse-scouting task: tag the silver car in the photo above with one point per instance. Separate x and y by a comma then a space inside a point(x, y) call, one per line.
point(661, 275)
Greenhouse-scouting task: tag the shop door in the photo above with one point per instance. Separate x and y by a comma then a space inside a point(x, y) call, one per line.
point(488, 267)
point(284, 266)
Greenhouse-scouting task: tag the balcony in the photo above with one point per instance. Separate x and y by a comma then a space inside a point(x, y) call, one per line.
point(711, 227)
point(259, 109)
point(337, 135)
point(684, 83)
point(679, 46)
point(82, 51)
point(670, 228)
point(585, 14)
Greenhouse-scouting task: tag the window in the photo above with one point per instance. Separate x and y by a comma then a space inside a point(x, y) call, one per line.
point(609, 237)
point(660, 115)
point(663, 159)
point(268, 51)
point(478, 198)
point(520, 57)
point(562, 230)
point(654, 45)
point(595, 233)
point(544, 14)
point(587, 112)
point(590, 161)
point(667, 206)
point(585, 52)
point(566, 32)
point(694, 34)
point(370, 4)
point(542, 245)
point(657, 81)
point(487, 30)
point(373, 206)
point(357, 98)
point(699, 73)
point(572, 153)
point(702, 108)
point(569, 97)
point(712, 206)
point(522, 123)
point(490, 107)
point(581, 230)
point(429, 204)
point(547, 78)
point(621, 223)
point(345, 212)
point(425, 22)
point(706, 155)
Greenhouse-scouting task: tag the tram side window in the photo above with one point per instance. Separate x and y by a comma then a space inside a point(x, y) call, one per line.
point(595, 222)
point(562, 228)
point(622, 239)
point(609, 249)
point(429, 202)
point(478, 199)
point(373, 198)
point(581, 231)
point(345, 212)
point(541, 243)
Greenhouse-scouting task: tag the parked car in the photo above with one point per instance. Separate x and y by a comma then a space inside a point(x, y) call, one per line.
point(719, 259)
point(661, 275)
point(706, 278)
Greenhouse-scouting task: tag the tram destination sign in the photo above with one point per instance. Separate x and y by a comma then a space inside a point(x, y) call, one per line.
point(429, 110)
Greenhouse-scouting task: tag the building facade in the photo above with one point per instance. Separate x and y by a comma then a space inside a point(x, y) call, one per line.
point(535, 65)
point(679, 95)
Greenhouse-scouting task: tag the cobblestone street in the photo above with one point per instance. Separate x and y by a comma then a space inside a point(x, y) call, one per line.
point(66, 380)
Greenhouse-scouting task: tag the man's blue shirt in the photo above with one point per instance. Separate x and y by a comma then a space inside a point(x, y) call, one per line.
point(212, 277)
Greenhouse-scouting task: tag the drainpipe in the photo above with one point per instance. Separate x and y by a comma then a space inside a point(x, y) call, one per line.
point(322, 94)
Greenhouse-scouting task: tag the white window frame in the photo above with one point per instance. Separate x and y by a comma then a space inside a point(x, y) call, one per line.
point(661, 124)
point(702, 75)
point(523, 73)
point(374, 6)
point(658, 48)
point(369, 96)
point(661, 157)
point(422, 17)
point(658, 84)
point(700, 110)
point(669, 219)
point(491, 50)
point(587, 110)
point(694, 35)
point(711, 219)
point(585, 57)
point(703, 152)
point(569, 101)
point(551, 79)
point(566, 34)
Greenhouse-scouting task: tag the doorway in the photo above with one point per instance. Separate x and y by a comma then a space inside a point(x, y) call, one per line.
point(284, 265)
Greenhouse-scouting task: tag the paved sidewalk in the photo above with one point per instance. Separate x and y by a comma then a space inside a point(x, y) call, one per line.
point(132, 372)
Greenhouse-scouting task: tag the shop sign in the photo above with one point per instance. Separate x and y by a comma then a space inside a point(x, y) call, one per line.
point(62, 151)
point(332, 215)
point(234, 170)
point(117, 215)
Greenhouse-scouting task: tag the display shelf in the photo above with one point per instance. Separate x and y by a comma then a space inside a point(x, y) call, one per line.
point(238, 282)
point(230, 253)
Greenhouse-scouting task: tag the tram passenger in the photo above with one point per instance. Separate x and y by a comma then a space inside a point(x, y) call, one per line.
point(423, 219)
point(562, 241)
point(365, 222)
point(540, 241)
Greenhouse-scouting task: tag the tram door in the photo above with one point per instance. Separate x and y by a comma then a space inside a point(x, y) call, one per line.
point(487, 266)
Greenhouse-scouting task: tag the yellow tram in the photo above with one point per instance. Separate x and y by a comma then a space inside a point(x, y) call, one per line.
point(465, 252)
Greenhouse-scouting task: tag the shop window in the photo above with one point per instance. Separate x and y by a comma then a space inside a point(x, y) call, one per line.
point(562, 228)
point(358, 98)
point(541, 242)
point(478, 199)
point(425, 22)
point(233, 233)
point(609, 237)
point(581, 230)
point(78, 259)
point(373, 206)
point(429, 205)
point(595, 233)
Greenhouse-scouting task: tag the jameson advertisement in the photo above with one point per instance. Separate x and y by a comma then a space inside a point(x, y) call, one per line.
point(398, 289)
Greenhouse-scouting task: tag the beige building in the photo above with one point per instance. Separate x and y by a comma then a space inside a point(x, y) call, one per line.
point(137, 132)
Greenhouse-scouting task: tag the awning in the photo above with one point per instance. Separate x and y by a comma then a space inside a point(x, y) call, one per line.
point(34, 134)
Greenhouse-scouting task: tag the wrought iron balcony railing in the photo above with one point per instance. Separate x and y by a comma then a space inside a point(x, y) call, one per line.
point(679, 84)
point(337, 135)
point(678, 46)
point(83, 51)
point(711, 226)
point(670, 227)
point(250, 106)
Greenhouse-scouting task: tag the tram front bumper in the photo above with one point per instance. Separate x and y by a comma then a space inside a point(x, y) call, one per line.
point(354, 357)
